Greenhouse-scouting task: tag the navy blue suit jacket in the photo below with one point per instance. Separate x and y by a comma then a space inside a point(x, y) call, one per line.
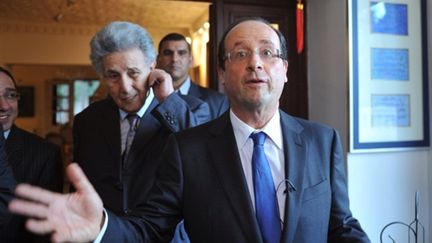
point(35, 161)
point(218, 103)
point(201, 180)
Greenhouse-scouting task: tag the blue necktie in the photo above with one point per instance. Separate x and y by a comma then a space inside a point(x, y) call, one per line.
point(266, 206)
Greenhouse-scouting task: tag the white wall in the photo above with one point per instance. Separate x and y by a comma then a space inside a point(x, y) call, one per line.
point(381, 185)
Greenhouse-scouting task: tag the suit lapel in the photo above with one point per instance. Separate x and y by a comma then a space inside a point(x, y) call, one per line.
point(194, 90)
point(295, 155)
point(226, 160)
point(14, 147)
point(110, 128)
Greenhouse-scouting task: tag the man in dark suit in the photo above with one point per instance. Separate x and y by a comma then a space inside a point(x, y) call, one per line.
point(175, 57)
point(32, 159)
point(122, 174)
point(209, 177)
point(7, 182)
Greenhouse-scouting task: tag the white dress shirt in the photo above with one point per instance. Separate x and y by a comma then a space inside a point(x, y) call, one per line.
point(184, 88)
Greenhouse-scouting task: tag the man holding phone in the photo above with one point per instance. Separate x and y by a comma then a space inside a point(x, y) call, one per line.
point(118, 140)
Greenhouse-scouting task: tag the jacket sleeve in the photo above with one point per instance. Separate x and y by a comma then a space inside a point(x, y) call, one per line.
point(343, 226)
point(179, 112)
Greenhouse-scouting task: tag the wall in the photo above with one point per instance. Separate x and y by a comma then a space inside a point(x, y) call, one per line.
point(381, 185)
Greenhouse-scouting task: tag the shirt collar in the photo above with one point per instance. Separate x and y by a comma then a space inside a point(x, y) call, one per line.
point(6, 133)
point(143, 109)
point(184, 88)
point(242, 131)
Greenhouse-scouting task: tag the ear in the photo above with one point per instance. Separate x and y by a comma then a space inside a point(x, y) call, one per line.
point(191, 60)
point(221, 75)
point(285, 63)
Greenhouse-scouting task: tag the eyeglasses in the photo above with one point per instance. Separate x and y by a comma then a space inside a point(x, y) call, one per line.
point(11, 95)
point(241, 55)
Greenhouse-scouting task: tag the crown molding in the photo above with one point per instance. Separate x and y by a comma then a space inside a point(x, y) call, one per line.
point(51, 29)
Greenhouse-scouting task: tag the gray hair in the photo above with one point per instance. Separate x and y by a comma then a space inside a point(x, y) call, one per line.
point(120, 36)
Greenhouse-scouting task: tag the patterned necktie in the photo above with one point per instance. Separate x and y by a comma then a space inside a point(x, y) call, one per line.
point(266, 206)
point(133, 122)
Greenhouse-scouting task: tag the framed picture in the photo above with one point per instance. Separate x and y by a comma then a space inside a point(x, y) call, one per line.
point(388, 75)
point(26, 104)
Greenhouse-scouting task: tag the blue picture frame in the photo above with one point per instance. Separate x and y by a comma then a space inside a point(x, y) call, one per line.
point(389, 100)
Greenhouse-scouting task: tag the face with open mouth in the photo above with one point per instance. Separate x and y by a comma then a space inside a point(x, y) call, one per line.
point(125, 74)
point(254, 74)
point(8, 104)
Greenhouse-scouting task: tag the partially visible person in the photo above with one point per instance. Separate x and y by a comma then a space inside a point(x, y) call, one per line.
point(175, 57)
point(32, 159)
point(253, 175)
point(7, 182)
point(120, 156)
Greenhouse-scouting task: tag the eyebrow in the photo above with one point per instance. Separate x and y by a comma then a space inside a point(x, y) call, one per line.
point(174, 50)
point(262, 42)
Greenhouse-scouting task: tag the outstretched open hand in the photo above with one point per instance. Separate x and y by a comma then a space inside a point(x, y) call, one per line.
point(73, 217)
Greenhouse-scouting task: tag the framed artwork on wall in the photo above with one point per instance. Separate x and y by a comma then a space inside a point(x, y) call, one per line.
point(388, 75)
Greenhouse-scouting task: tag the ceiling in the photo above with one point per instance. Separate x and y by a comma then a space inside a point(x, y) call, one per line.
point(151, 14)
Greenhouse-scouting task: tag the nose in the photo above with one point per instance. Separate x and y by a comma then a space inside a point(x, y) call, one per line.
point(4, 103)
point(254, 62)
point(125, 83)
point(175, 56)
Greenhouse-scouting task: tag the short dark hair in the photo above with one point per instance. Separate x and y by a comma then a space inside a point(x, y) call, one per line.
point(173, 37)
point(9, 74)
point(221, 49)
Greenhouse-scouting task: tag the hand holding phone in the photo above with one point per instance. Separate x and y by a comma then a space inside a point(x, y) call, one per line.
point(161, 83)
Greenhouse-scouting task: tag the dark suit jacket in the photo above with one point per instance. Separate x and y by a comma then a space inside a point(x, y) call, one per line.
point(97, 147)
point(202, 180)
point(218, 103)
point(7, 182)
point(35, 161)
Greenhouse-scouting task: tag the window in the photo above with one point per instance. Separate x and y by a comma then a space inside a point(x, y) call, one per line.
point(70, 98)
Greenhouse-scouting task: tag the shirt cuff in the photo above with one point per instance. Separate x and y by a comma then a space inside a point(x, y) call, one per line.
point(104, 227)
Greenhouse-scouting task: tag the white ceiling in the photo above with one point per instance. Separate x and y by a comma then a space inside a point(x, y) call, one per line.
point(151, 14)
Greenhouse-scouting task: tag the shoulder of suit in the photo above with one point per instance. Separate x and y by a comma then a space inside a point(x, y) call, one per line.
point(211, 92)
point(192, 101)
point(98, 107)
point(205, 128)
point(33, 139)
point(307, 125)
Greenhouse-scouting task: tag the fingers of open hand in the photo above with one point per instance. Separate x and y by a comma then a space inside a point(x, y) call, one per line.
point(29, 209)
point(36, 194)
point(39, 226)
